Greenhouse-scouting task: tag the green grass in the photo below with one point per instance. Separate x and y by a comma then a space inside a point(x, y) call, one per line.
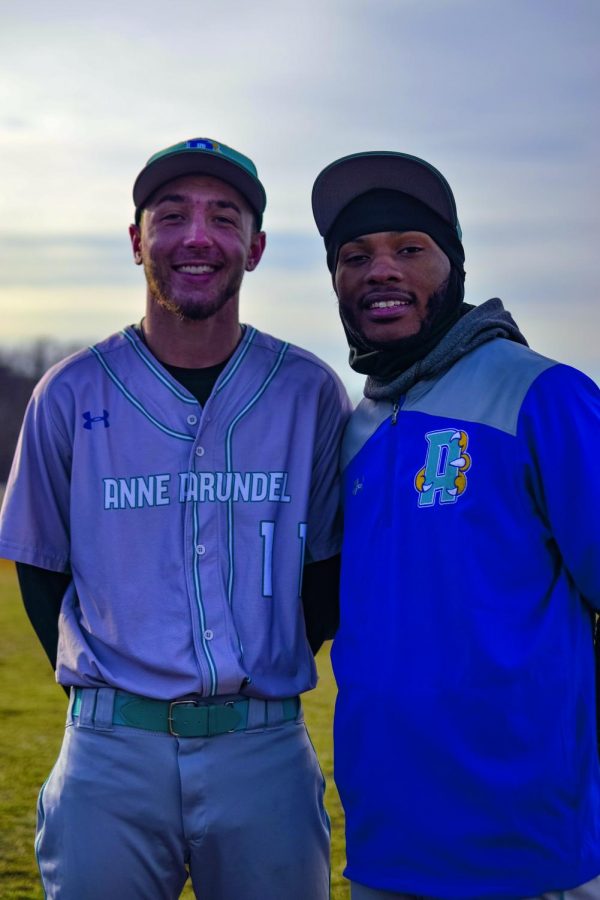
point(32, 714)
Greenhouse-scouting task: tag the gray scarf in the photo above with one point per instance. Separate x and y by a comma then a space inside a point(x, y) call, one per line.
point(478, 325)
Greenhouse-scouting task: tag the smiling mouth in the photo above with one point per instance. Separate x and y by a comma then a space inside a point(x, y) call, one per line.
point(195, 269)
point(387, 304)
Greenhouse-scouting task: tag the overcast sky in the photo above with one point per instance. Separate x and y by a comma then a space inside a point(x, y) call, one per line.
point(500, 95)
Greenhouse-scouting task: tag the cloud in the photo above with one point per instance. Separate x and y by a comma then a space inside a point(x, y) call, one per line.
point(67, 259)
point(500, 95)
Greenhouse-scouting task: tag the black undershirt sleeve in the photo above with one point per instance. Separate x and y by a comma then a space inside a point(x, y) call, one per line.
point(42, 592)
point(320, 600)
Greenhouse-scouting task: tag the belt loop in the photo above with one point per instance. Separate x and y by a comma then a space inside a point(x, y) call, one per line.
point(257, 713)
point(85, 718)
point(292, 709)
point(103, 717)
point(273, 712)
point(276, 710)
point(69, 720)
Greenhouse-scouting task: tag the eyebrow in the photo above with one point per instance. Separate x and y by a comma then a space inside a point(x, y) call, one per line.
point(363, 239)
point(225, 204)
point(181, 198)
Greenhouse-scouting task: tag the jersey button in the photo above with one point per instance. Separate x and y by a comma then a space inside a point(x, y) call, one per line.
point(200, 549)
point(208, 634)
point(192, 420)
point(199, 451)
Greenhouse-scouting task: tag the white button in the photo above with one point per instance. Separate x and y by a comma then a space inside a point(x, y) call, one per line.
point(208, 634)
point(199, 451)
point(192, 419)
point(200, 549)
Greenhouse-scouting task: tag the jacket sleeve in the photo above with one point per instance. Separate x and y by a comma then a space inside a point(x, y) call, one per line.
point(560, 422)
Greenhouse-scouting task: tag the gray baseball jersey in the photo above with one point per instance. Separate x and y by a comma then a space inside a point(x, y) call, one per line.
point(186, 528)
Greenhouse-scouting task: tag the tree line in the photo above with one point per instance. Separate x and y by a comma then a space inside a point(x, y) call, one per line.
point(20, 370)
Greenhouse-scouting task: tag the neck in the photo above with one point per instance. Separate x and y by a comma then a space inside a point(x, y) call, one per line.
point(191, 343)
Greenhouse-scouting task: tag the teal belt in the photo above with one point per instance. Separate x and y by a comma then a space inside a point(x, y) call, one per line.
point(187, 717)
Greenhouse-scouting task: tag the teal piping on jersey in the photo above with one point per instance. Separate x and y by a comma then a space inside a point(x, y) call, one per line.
point(176, 434)
point(229, 462)
point(156, 371)
point(238, 362)
point(200, 607)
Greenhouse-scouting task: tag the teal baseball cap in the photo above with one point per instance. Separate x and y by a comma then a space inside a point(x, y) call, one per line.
point(201, 156)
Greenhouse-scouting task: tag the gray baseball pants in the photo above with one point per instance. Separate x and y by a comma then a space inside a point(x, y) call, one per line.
point(129, 813)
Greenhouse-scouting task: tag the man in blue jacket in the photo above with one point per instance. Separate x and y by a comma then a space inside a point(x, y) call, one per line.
point(465, 727)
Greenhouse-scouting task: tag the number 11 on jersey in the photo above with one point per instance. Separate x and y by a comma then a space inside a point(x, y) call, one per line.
point(267, 533)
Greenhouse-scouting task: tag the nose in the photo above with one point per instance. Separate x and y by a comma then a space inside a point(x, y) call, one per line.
point(197, 232)
point(383, 268)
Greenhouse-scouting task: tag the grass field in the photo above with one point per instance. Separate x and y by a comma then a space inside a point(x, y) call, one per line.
point(32, 712)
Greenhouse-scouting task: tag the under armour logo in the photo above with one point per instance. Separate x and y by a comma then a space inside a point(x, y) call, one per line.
point(358, 486)
point(89, 419)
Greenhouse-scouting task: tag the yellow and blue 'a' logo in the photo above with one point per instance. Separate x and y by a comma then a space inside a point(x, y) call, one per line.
point(443, 476)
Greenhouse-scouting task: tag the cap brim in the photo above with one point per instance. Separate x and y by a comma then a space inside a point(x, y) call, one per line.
point(197, 163)
point(349, 177)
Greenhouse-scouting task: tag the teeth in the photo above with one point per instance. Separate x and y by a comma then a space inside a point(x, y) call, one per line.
point(195, 270)
point(388, 304)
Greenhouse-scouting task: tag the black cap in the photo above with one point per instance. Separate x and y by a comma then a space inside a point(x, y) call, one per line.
point(349, 177)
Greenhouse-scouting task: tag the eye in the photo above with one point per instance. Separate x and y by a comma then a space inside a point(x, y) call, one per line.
point(411, 250)
point(225, 220)
point(354, 259)
point(171, 217)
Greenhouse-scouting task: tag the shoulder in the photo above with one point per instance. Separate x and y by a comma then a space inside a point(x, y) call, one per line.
point(563, 398)
point(487, 385)
point(73, 367)
point(305, 367)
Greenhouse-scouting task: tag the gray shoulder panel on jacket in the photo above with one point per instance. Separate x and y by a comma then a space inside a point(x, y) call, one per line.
point(487, 386)
point(364, 422)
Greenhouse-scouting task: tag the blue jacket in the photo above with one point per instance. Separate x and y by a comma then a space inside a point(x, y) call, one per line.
point(465, 725)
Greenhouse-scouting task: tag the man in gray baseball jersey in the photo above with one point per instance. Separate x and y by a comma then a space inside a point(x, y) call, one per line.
point(173, 504)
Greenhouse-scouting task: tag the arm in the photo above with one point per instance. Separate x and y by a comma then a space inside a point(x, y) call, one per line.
point(42, 592)
point(320, 586)
point(561, 424)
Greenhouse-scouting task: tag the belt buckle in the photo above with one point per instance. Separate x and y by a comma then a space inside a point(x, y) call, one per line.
point(170, 715)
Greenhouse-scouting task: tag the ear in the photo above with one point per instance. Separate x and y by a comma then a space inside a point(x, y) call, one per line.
point(257, 248)
point(136, 244)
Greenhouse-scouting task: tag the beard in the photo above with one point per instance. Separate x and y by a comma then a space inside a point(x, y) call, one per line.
point(188, 305)
point(437, 304)
point(384, 361)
